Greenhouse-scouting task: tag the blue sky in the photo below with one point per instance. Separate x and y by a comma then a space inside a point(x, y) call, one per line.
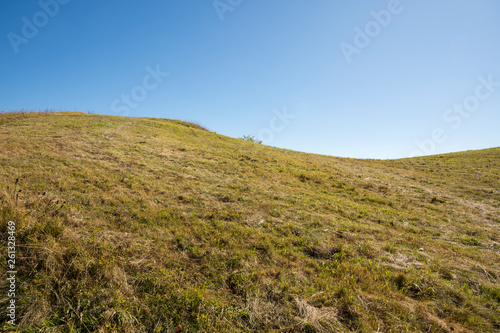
point(371, 79)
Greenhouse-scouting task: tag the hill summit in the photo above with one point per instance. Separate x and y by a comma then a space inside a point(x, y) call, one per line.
point(154, 225)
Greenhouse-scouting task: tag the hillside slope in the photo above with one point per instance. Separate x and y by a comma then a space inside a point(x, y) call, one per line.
point(152, 225)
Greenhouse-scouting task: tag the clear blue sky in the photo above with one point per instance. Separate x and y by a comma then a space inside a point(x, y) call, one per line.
point(357, 84)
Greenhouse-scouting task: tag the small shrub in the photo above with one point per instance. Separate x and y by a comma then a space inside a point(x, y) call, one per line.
point(251, 138)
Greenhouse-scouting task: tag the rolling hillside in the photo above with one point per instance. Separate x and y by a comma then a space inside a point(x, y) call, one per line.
point(154, 225)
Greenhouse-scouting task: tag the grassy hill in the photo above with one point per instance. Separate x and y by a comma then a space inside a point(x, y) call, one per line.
point(153, 225)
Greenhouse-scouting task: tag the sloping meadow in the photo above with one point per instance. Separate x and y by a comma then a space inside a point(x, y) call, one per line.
point(154, 225)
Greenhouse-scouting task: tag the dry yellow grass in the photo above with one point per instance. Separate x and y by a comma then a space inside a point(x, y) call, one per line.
point(153, 225)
